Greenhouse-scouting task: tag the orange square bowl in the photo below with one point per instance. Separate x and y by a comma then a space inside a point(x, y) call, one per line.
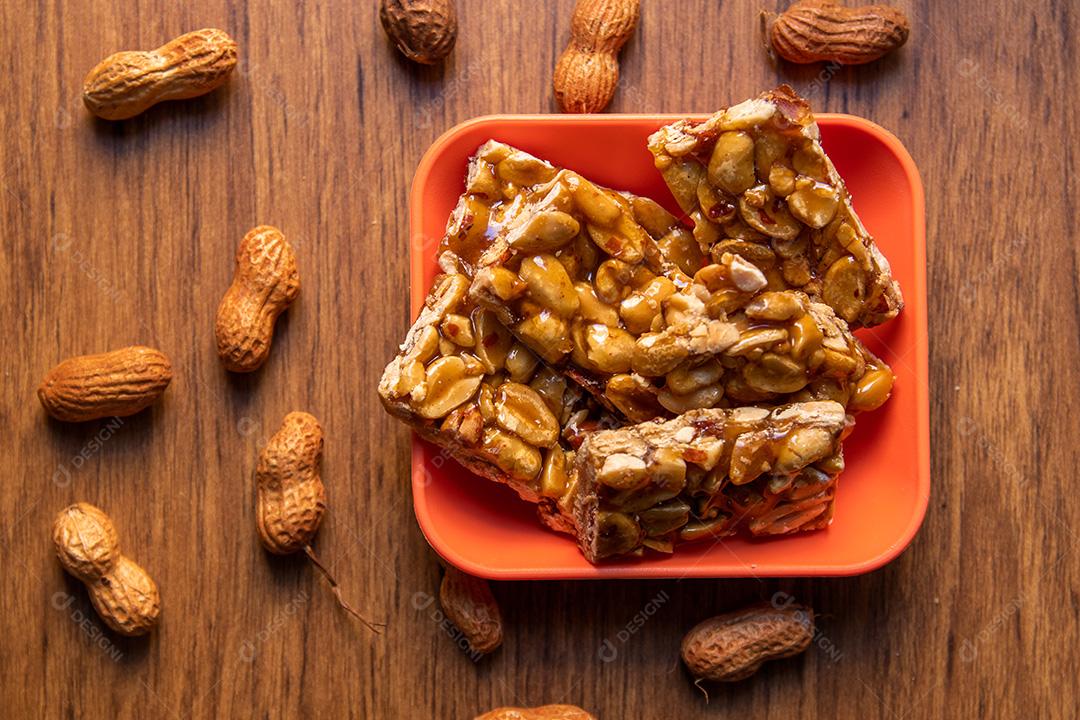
point(484, 529)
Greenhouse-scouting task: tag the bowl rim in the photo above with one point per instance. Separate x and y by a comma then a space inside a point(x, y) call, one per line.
point(417, 293)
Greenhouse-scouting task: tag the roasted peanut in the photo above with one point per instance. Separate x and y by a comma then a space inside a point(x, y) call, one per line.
point(465, 424)
point(757, 339)
point(521, 363)
point(774, 373)
point(746, 276)
point(774, 306)
point(633, 397)
point(551, 386)
point(638, 312)
point(640, 309)
point(611, 279)
point(802, 447)
point(265, 283)
point(588, 70)
point(503, 283)
point(717, 207)
point(806, 337)
point(684, 380)
point(608, 349)
point(448, 383)
point(427, 344)
point(458, 329)
point(493, 340)
point(679, 403)
point(522, 411)
point(123, 594)
point(542, 232)
point(290, 498)
point(781, 180)
point(423, 30)
point(469, 604)
point(680, 247)
point(667, 471)
point(771, 218)
point(733, 646)
point(623, 241)
point(822, 30)
point(546, 334)
point(117, 383)
point(521, 168)
point(594, 203)
point(511, 454)
point(657, 354)
point(592, 308)
point(127, 83)
point(731, 166)
point(813, 203)
point(844, 288)
point(872, 389)
point(623, 472)
point(554, 477)
point(548, 284)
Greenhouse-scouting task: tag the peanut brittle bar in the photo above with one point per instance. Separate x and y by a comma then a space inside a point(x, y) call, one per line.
point(706, 474)
point(463, 383)
point(756, 182)
point(542, 266)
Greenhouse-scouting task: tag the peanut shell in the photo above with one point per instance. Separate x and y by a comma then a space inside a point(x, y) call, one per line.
point(266, 281)
point(469, 604)
point(117, 383)
point(127, 83)
point(423, 30)
point(821, 30)
point(122, 593)
point(290, 498)
point(734, 646)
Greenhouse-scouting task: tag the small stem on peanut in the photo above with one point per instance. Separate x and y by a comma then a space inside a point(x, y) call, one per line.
point(374, 627)
point(698, 685)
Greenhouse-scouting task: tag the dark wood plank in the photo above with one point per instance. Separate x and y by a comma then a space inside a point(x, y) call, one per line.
point(117, 234)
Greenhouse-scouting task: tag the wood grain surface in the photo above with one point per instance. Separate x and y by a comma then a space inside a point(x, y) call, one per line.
point(124, 233)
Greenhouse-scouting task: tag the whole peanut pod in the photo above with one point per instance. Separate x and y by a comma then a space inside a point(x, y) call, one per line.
point(127, 83)
point(469, 604)
point(588, 70)
point(290, 498)
point(118, 383)
point(423, 30)
point(266, 281)
point(545, 712)
point(823, 31)
point(122, 593)
point(733, 646)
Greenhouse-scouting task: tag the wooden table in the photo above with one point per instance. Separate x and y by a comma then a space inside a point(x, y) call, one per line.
point(116, 234)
